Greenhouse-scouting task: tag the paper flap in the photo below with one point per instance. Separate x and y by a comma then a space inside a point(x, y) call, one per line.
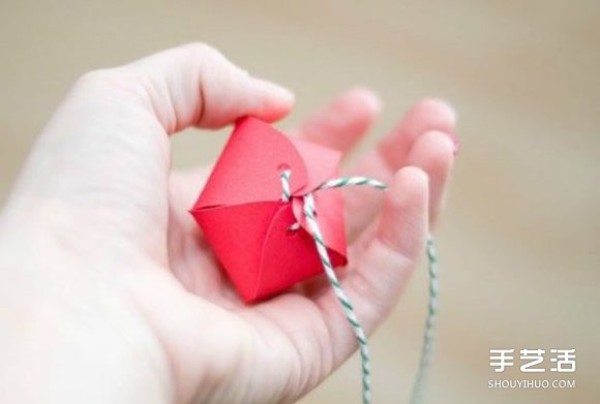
point(321, 163)
point(250, 165)
point(289, 256)
point(244, 225)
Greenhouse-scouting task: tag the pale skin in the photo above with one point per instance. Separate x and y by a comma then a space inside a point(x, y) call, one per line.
point(108, 293)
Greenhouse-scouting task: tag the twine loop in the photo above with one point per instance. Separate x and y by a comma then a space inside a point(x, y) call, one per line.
point(310, 215)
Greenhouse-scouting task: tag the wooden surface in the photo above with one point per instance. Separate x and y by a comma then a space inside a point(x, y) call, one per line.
point(520, 241)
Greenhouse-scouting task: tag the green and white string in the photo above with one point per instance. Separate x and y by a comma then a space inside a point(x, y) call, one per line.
point(309, 211)
point(430, 323)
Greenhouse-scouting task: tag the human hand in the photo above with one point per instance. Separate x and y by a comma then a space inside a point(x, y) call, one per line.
point(108, 292)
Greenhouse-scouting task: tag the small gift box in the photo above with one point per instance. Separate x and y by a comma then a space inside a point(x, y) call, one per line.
point(259, 236)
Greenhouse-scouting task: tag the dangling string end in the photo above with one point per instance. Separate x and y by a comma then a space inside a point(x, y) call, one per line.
point(310, 215)
point(430, 322)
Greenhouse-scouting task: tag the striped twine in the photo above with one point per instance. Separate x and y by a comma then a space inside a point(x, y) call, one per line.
point(432, 311)
point(309, 211)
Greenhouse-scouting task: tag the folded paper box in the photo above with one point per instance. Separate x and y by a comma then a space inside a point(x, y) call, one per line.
point(249, 226)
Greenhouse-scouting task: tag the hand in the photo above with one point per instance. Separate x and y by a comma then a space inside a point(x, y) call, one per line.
point(108, 292)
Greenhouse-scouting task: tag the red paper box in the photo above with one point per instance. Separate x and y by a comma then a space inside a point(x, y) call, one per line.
point(247, 223)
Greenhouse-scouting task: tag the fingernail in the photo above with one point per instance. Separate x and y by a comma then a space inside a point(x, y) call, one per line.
point(284, 93)
point(455, 141)
point(371, 98)
point(277, 90)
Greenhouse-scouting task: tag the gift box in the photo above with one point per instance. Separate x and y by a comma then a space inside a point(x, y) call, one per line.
point(260, 238)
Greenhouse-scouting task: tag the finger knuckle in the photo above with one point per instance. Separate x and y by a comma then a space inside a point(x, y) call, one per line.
point(99, 79)
point(201, 50)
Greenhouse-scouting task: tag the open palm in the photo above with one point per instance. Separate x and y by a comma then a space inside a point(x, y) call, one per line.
point(99, 186)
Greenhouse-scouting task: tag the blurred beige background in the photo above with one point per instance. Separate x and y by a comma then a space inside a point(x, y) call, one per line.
point(520, 241)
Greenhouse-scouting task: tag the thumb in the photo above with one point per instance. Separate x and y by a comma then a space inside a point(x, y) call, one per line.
point(106, 148)
point(196, 85)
